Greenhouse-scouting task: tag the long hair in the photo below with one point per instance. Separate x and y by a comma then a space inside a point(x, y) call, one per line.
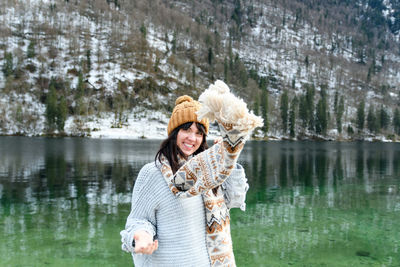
point(170, 149)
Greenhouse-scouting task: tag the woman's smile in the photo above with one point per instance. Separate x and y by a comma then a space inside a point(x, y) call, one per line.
point(189, 140)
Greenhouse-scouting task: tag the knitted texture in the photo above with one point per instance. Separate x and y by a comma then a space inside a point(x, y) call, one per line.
point(219, 104)
point(185, 111)
point(199, 175)
point(179, 223)
point(210, 168)
point(236, 123)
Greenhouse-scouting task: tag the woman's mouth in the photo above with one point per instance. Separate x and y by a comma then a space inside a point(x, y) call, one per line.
point(188, 146)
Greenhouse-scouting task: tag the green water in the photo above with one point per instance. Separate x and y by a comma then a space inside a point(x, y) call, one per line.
point(64, 201)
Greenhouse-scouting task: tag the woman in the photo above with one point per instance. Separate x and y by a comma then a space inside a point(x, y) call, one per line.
point(181, 202)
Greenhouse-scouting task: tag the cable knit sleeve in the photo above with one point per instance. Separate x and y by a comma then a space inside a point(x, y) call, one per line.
point(235, 188)
point(142, 215)
point(206, 170)
point(213, 166)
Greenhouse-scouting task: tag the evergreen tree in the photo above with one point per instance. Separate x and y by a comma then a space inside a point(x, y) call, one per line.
point(256, 107)
point(62, 112)
point(310, 106)
point(79, 95)
point(384, 120)
point(225, 69)
point(173, 43)
point(396, 121)
point(19, 115)
point(217, 42)
point(51, 107)
point(88, 60)
point(350, 130)
point(119, 108)
point(284, 111)
point(237, 14)
point(303, 111)
point(230, 53)
point(292, 117)
point(80, 87)
point(262, 83)
point(369, 74)
point(339, 114)
point(320, 118)
point(143, 30)
point(157, 63)
point(321, 114)
point(210, 60)
point(361, 115)
point(210, 57)
point(336, 102)
point(8, 67)
point(166, 39)
point(31, 50)
point(372, 123)
point(240, 72)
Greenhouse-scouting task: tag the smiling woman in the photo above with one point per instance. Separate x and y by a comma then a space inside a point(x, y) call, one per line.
point(181, 201)
point(186, 134)
point(190, 139)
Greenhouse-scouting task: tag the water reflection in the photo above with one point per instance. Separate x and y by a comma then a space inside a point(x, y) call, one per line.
point(319, 165)
point(63, 201)
point(326, 203)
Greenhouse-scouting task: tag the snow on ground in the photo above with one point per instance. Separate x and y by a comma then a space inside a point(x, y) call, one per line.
point(137, 129)
point(145, 124)
point(139, 124)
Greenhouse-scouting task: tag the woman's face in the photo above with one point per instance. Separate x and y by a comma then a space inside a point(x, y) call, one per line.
point(189, 140)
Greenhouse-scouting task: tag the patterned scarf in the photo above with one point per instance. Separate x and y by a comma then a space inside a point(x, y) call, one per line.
point(199, 175)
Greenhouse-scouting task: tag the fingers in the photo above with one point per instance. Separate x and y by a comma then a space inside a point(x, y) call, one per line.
point(155, 245)
point(147, 248)
point(144, 243)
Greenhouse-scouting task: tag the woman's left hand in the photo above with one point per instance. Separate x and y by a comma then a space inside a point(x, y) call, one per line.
point(144, 243)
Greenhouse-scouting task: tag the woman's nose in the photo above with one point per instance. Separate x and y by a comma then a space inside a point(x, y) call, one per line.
point(192, 136)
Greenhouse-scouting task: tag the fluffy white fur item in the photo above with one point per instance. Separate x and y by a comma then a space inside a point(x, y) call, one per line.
point(218, 103)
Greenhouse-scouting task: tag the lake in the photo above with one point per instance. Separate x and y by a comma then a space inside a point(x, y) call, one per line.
point(63, 202)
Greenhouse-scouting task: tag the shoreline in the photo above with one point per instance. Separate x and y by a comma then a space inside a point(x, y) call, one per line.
point(211, 136)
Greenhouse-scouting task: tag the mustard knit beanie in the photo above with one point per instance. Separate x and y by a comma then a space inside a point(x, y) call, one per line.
point(184, 111)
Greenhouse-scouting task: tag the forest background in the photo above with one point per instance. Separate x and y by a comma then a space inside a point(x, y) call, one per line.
point(313, 69)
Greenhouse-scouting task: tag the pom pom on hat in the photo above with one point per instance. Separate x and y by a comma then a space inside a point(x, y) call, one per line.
point(184, 98)
point(218, 103)
point(185, 111)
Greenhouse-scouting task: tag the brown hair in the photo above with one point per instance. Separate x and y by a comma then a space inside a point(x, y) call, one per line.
point(170, 149)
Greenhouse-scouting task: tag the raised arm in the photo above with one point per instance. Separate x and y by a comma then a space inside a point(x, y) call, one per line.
point(213, 166)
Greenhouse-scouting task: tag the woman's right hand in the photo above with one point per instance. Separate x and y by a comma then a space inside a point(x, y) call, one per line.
point(144, 242)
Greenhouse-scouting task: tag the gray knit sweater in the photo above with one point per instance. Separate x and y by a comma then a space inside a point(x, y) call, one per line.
point(177, 223)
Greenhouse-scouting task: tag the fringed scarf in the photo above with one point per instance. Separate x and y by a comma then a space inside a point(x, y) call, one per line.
point(209, 169)
point(199, 175)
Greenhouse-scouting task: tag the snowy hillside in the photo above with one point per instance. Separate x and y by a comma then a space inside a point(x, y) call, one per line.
point(113, 69)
